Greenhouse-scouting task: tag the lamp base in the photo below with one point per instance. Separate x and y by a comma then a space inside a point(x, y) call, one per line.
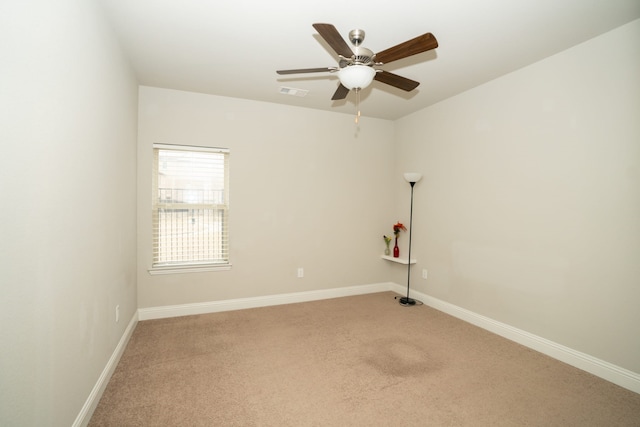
point(406, 301)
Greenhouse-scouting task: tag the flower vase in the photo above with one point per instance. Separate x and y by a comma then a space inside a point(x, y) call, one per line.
point(387, 251)
point(396, 250)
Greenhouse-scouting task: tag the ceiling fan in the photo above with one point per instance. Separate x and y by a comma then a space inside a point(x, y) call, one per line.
point(356, 65)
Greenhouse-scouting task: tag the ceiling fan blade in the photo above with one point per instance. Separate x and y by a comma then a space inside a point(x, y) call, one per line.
point(341, 93)
point(411, 47)
point(396, 81)
point(306, 70)
point(333, 38)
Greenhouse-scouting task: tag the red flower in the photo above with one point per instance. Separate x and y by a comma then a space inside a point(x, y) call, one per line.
point(398, 227)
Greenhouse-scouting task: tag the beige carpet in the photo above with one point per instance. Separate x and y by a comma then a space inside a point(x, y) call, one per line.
point(355, 361)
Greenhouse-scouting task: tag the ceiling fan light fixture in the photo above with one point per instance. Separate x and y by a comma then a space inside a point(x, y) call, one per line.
point(356, 76)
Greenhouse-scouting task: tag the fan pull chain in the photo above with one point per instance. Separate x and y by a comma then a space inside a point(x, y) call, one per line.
point(357, 120)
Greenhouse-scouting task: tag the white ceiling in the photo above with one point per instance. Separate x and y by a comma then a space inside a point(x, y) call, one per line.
point(233, 48)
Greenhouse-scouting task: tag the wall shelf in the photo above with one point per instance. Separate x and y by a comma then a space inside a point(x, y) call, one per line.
point(398, 260)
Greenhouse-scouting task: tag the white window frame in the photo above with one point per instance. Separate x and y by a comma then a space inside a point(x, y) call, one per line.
point(219, 207)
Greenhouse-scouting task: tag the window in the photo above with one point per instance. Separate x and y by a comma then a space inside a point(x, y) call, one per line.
point(190, 207)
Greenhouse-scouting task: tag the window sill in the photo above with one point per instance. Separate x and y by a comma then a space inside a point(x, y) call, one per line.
point(398, 260)
point(174, 269)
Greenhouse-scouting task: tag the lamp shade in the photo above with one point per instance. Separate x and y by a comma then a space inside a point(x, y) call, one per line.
point(356, 76)
point(412, 176)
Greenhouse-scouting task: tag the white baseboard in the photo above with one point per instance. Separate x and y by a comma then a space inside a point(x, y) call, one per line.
point(605, 370)
point(263, 301)
point(96, 393)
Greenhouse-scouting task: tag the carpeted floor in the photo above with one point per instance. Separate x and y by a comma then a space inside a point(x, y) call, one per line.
point(354, 361)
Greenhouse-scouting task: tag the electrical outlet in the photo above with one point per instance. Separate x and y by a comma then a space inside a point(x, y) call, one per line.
point(117, 313)
point(424, 273)
point(300, 272)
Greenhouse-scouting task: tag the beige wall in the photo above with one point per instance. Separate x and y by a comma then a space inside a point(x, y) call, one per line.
point(308, 188)
point(529, 212)
point(67, 171)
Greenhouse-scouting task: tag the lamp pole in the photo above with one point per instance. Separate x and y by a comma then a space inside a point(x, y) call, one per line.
point(406, 300)
point(412, 178)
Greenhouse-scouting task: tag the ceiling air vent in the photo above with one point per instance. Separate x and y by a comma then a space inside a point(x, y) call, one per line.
point(293, 91)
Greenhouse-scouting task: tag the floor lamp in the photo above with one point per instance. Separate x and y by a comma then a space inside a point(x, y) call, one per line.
point(412, 178)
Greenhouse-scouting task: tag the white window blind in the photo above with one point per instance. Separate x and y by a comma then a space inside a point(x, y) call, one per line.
point(190, 206)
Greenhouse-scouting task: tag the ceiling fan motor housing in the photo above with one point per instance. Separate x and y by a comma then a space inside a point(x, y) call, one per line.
point(362, 56)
